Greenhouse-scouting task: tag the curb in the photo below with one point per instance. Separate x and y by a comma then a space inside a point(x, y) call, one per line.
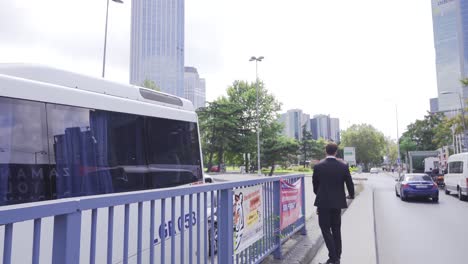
point(310, 255)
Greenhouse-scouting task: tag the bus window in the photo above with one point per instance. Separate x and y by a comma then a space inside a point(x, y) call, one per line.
point(74, 153)
point(50, 151)
point(121, 143)
point(24, 163)
point(173, 152)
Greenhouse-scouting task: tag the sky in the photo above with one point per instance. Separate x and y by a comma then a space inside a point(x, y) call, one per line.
point(355, 60)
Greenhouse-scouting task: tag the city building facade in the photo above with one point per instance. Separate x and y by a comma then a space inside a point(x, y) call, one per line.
point(450, 25)
point(194, 87)
point(323, 126)
point(434, 105)
point(157, 44)
point(294, 120)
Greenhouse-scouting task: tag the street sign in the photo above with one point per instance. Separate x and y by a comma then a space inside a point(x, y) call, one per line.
point(350, 155)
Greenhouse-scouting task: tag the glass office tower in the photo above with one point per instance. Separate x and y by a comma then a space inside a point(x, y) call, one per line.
point(157, 44)
point(450, 22)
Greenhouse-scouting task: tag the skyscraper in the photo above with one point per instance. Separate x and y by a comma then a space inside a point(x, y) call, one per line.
point(323, 126)
point(293, 121)
point(194, 87)
point(335, 129)
point(434, 105)
point(157, 44)
point(450, 24)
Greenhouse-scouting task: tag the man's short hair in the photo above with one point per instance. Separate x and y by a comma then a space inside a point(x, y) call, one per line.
point(331, 148)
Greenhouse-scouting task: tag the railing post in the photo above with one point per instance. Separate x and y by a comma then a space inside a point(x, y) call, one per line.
point(277, 223)
point(66, 245)
point(225, 227)
point(303, 229)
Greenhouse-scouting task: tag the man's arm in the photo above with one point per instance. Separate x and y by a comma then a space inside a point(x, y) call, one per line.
point(349, 183)
point(315, 179)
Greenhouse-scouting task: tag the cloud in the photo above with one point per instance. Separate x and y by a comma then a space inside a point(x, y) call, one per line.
point(352, 59)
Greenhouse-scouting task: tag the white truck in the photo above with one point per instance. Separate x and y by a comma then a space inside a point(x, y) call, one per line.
point(430, 163)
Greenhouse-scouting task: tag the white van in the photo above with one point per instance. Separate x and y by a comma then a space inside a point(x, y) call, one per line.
point(456, 180)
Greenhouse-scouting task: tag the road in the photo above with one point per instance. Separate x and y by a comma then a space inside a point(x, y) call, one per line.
point(405, 232)
point(419, 231)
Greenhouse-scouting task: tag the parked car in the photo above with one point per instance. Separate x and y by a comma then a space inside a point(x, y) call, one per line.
point(214, 168)
point(416, 185)
point(374, 170)
point(456, 180)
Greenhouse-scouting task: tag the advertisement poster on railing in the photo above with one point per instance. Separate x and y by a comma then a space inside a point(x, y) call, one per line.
point(248, 217)
point(290, 197)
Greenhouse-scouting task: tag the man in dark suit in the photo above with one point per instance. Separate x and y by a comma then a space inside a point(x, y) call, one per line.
point(329, 178)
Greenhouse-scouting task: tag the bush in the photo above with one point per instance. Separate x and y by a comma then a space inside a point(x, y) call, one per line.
point(300, 169)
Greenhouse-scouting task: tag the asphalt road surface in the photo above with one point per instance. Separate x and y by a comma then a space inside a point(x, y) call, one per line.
point(418, 231)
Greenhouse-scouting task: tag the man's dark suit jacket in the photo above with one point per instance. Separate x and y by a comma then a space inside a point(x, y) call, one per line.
point(329, 178)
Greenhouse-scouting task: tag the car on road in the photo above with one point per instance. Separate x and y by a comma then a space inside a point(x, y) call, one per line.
point(456, 180)
point(416, 185)
point(374, 170)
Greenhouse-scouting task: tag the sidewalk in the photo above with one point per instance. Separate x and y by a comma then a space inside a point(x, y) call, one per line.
point(301, 249)
point(357, 232)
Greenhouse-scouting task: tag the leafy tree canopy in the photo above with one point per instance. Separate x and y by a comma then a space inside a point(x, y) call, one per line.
point(368, 141)
point(150, 84)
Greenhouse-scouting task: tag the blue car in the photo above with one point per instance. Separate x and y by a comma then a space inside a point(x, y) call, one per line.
point(416, 185)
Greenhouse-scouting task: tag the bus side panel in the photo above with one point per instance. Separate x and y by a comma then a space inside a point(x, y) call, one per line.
point(182, 224)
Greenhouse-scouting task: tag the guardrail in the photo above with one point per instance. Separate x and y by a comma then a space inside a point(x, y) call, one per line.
point(195, 226)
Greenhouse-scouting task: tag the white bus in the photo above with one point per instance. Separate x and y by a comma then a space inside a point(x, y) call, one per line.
point(67, 135)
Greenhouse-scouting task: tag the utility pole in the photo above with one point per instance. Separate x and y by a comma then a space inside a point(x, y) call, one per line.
point(398, 142)
point(259, 168)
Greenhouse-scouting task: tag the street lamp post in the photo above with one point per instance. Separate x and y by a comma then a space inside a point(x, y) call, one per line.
point(253, 58)
point(398, 143)
point(462, 106)
point(105, 36)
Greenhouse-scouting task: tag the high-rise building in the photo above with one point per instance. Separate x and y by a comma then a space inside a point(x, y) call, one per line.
point(434, 103)
point(335, 129)
point(323, 126)
point(194, 87)
point(293, 121)
point(157, 44)
point(314, 128)
point(322, 129)
point(450, 24)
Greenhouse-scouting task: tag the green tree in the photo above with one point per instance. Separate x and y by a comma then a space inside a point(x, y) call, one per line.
point(150, 84)
point(368, 141)
point(443, 131)
point(306, 145)
point(318, 148)
point(464, 82)
point(277, 149)
point(392, 151)
point(243, 95)
point(423, 132)
point(407, 145)
point(218, 126)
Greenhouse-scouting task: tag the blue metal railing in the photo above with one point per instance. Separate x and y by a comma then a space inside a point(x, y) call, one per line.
point(196, 221)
